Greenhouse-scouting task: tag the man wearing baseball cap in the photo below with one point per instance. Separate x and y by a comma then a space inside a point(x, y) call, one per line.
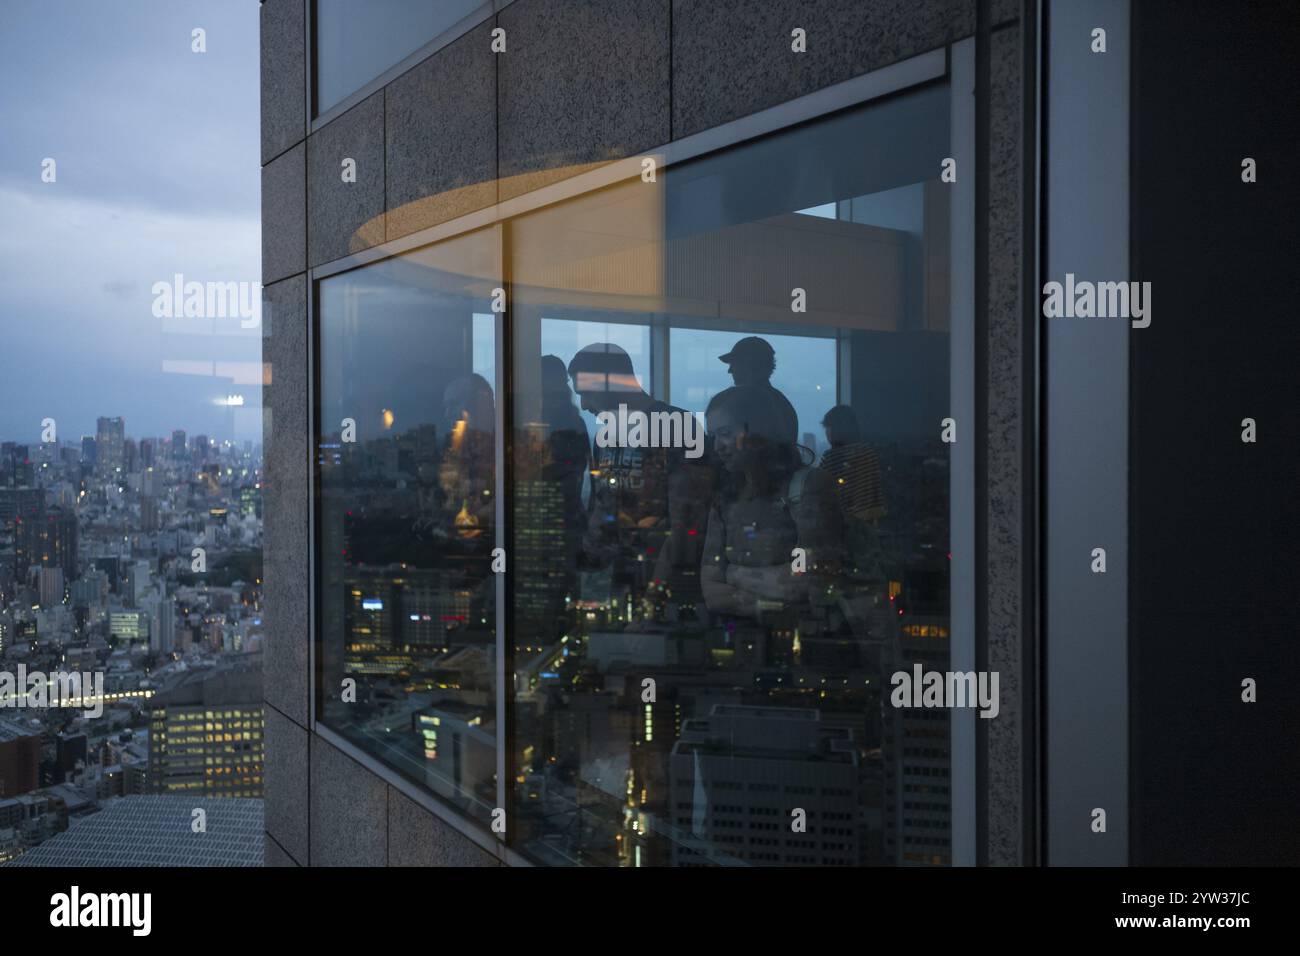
point(752, 362)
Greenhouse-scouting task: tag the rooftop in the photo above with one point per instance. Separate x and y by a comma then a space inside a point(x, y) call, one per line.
point(155, 830)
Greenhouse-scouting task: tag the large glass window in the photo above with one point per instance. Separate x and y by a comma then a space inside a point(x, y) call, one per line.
point(408, 466)
point(356, 42)
point(727, 507)
point(704, 631)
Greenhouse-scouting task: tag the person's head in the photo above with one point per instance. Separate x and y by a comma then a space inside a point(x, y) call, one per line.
point(469, 399)
point(841, 424)
point(748, 429)
point(555, 378)
point(603, 377)
point(751, 361)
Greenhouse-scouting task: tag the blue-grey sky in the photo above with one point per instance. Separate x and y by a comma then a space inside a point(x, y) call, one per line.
point(157, 153)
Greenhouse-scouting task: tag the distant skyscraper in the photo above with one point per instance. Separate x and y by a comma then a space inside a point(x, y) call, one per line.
point(178, 445)
point(88, 450)
point(128, 456)
point(148, 514)
point(162, 631)
point(199, 449)
point(47, 539)
point(91, 591)
point(17, 466)
point(110, 436)
point(146, 452)
point(20, 758)
point(20, 503)
point(51, 587)
point(141, 577)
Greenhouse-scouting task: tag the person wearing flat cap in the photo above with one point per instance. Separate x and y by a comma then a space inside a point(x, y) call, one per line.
point(752, 362)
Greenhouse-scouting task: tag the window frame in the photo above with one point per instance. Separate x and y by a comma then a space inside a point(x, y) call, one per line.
point(952, 65)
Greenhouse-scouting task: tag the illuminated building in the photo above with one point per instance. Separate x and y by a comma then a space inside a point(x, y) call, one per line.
point(205, 732)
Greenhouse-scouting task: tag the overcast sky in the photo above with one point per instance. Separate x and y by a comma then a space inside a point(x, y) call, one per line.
point(157, 152)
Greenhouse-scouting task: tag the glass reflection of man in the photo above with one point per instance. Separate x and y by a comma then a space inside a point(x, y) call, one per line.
point(646, 511)
point(752, 361)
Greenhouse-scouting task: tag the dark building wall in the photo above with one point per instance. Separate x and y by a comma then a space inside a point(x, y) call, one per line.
point(582, 82)
point(1214, 521)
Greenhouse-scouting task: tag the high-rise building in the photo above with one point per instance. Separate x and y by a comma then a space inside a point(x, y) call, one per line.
point(110, 437)
point(205, 732)
point(179, 451)
point(16, 466)
point(767, 786)
point(20, 758)
point(51, 587)
point(162, 630)
point(91, 590)
point(48, 539)
point(148, 513)
point(88, 450)
point(141, 578)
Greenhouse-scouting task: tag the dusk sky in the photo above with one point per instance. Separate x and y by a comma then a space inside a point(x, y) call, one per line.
point(157, 152)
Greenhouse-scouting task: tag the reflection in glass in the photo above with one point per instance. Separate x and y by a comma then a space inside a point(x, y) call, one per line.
point(408, 468)
point(355, 44)
point(703, 645)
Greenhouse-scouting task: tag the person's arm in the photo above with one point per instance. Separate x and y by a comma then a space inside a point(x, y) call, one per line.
point(776, 582)
point(816, 516)
point(720, 596)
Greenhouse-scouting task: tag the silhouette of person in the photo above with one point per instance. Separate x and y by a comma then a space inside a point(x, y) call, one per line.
point(853, 465)
point(568, 452)
point(752, 361)
point(768, 503)
point(647, 503)
point(567, 440)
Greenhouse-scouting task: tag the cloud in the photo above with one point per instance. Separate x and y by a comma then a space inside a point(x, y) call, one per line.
point(158, 173)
